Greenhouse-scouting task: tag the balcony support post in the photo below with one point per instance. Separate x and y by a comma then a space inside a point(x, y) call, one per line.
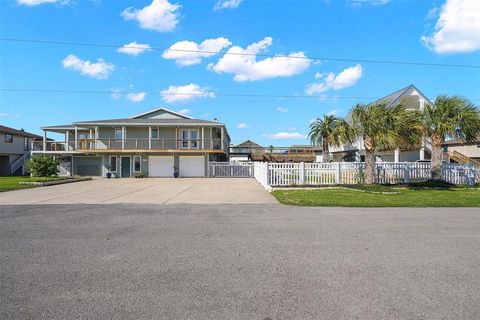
point(67, 147)
point(203, 138)
point(76, 138)
point(123, 137)
point(44, 141)
point(149, 138)
point(221, 138)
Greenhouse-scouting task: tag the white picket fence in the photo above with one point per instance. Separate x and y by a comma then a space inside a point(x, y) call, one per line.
point(334, 173)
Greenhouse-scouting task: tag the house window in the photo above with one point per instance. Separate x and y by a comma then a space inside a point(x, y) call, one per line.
point(118, 133)
point(189, 139)
point(113, 163)
point(8, 138)
point(137, 163)
point(154, 134)
point(25, 143)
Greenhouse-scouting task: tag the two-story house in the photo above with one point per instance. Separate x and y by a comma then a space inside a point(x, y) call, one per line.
point(14, 150)
point(157, 143)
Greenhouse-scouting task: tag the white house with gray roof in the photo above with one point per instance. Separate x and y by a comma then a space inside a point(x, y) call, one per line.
point(412, 99)
point(157, 143)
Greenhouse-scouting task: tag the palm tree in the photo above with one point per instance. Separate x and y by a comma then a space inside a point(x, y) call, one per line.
point(381, 126)
point(449, 117)
point(329, 132)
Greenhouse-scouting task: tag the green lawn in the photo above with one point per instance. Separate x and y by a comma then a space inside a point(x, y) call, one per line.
point(13, 183)
point(373, 197)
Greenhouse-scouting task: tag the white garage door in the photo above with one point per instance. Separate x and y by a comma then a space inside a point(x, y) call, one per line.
point(192, 166)
point(160, 166)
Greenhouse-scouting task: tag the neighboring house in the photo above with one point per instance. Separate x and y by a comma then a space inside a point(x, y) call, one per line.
point(157, 143)
point(244, 150)
point(413, 99)
point(14, 150)
point(251, 151)
point(462, 152)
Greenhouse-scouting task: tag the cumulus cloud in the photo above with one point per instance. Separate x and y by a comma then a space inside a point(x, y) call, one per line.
point(134, 48)
point(136, 97)
point(227, 4)
point(98, 70)
point(344, 79)
point(281, 109)
point(185, 94)
point(32, 3)
point(242, 125)
point(247, 68)
point(286, 135)
point(160, 15)
point(457, 28)
point(188, 53)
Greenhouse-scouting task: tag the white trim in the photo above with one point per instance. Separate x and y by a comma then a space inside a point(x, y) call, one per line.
point(161, 109)
point(140, 161)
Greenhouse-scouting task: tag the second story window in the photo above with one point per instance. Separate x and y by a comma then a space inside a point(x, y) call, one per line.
point(8, 138)
point(118, 133)
point(154, 133)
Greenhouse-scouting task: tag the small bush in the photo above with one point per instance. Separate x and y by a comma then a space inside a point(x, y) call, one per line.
point(43, 166)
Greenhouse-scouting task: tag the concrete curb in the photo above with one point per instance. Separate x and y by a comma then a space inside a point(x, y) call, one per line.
point(53, 183)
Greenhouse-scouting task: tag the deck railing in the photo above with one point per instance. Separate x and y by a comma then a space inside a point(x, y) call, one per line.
point(129, 144)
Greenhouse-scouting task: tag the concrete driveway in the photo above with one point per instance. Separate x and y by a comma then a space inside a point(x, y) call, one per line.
point(130, 261)
point(151, 190)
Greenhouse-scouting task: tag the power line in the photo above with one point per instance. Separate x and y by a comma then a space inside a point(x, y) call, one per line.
point(211, 94)
point(263, 55)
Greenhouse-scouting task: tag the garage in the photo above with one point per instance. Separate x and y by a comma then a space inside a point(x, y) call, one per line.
point(192, 166)
point(160, 166)
point(87, 166)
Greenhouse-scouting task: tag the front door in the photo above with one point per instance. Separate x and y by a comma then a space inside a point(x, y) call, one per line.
point(125, 167)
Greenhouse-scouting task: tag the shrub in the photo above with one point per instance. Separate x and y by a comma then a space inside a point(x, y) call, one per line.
point(43, 166)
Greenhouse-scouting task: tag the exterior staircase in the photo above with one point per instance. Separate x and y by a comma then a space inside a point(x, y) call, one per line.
point(458, 157)
point(18, 166)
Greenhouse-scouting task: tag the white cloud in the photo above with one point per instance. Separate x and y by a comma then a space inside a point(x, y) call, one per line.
point(134, 48)
point(116, 93)
point(281, 109)
point(359, 3)
point(227, 4)
point(242, 125)
point(184, 111)
point(98, 70)
point(136, 97)
point(187, 53)
point(457, 28)
point(185, 94)
point(247, 68)
point(344, 79)
point(160, 15)
point(287, 135)
point(332, 112)
point(32, 3)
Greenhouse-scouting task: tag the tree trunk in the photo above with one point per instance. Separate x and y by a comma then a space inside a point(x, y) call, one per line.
point(369, 166)
point(436, 162)
point(325, 155)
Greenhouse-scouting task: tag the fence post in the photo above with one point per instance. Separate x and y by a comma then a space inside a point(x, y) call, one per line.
point(337, 173)
point(406, 173)
point(301, 178)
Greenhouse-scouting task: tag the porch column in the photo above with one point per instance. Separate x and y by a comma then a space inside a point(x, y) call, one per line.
point(44, 141)
point(123, 137)
point(76, 138)
point(397, 155)
point(422, 150)
point(203, 138)
point(67, 133)
point(221, 138)
point(149, 137)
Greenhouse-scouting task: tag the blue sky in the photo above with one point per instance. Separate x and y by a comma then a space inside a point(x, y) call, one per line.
point(443, 32)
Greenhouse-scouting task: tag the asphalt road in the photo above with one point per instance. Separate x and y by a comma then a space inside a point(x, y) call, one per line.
point(238, 262)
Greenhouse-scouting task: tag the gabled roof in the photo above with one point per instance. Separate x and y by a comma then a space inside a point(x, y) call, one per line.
point(19, 132)
point(153, 122)
point(394, 98)
point(248, 144)
point(158, 110)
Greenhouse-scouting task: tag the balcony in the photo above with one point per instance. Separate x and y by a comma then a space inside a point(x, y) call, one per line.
point(129, 145)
